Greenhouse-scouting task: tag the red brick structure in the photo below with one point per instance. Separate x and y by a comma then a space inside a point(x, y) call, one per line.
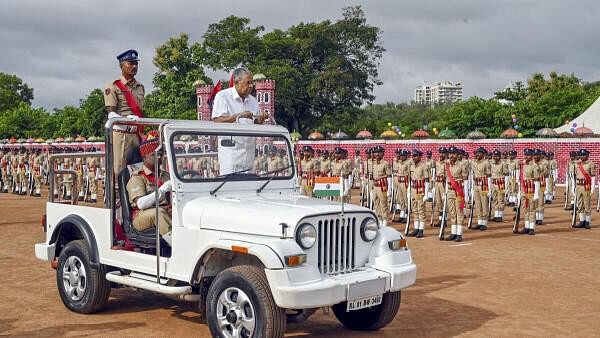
point(560, 146)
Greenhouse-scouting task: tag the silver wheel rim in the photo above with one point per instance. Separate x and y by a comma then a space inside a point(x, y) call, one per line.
point(74, 278)
point(235, 314)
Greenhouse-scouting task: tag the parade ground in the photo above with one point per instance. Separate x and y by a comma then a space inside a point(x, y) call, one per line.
point(493, 284)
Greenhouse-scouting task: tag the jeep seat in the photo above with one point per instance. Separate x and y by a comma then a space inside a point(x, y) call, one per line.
point(143, 239)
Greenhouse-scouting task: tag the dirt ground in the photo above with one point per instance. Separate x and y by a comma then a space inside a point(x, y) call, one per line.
point(493, 284)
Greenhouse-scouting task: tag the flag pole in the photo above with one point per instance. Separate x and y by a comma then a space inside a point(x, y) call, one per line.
point(342, 192)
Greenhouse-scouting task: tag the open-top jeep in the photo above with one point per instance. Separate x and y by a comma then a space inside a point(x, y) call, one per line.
point(244, 243)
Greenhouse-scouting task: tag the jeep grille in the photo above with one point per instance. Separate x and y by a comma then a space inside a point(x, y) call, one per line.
point(336, 244)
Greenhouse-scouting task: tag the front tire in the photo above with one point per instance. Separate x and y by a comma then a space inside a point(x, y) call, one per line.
point(239, 304)
point(372, 318)
point(81, 288)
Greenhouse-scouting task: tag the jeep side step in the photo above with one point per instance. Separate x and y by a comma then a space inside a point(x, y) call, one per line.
point(138, 281)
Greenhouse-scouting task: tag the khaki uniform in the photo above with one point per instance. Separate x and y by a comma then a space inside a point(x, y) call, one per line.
point(37, 174)
point(544, 172)
point(123, 141)
point(341, 168)
point(584, 188)
point(137, 187)
point(481, 172)
point(380, 170)
point(67, 179)
point(356, 171)
point(439, 186)
point(92, 175)
point(4, 166)
point(454, 202)
point(419, 176)
point(324, 167)
point(552, 176)
point(402, 173)
point(513, 178)
point(499, 172)
point(531, 176)
point(309, 168)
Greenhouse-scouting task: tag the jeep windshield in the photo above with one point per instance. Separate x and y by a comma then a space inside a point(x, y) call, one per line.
point(231, 157)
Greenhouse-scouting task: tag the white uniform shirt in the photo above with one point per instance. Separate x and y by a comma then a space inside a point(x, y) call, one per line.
point(239, 154)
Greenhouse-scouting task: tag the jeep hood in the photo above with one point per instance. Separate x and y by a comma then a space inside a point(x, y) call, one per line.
point(258, 214)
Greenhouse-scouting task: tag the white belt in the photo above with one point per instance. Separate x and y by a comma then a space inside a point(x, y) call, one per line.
point(125, 129)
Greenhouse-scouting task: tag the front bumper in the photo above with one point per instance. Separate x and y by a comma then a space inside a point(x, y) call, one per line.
point(44, 251)
point(305, 287)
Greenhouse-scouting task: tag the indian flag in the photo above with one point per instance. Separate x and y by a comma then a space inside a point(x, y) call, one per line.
point(327, 186)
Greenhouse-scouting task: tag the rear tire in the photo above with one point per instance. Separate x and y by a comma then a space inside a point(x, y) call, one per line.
point(82, 289)
point(239, 304)
point(369, 319)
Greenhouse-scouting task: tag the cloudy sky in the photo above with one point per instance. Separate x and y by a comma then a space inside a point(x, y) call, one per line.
point(64, 49)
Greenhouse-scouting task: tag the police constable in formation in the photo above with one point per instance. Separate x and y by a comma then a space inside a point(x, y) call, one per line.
point(499, 170)
point(309, 167)
point(381, 171)
point(402, 173)
point(455, 174)
point(419, 175)
point(481, 190)
point(439, 169)
point(585, 178)
point(124, 97)
point(530, 191)
point(341, 168)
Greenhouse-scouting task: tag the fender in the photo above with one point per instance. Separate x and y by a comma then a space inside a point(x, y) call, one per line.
point(85, 230)
point(270, 253)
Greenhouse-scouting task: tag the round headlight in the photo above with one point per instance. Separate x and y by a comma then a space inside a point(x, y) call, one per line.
point(306, 235)
point(368, 229)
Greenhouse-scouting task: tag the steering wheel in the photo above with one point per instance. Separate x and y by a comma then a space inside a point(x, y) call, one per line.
point(191, 172)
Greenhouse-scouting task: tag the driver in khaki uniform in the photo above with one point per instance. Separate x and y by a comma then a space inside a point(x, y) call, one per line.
point(140, 189)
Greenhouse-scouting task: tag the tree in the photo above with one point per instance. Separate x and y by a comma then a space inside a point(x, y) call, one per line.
point(13, 91)
point(23, 121)
point(179, 67)
point(92, 114)
point(322, 69)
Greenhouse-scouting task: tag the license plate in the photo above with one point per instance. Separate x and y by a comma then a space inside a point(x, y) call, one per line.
point(363, 303)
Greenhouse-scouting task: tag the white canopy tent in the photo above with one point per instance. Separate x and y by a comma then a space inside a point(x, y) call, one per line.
point(589, 119)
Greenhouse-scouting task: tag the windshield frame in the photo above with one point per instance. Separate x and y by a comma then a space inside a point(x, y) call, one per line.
point(237, 177)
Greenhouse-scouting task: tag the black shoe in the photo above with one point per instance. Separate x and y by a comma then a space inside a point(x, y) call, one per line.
point(531, 232)
point(458, 238)
point(23, 193)
point(538, 222)
point(497, 219)
point(500, 220)
point(451, 237)
point(93, 201)
point(549, 202)
point(579, 225)
point(419, 234)
point(437, 225)
point(587, 225)
point(80, 198)
point(413, 233)
point(37, 195)
point(475, 226)
point(483, 228)
point(525, 231)
point(402, 220)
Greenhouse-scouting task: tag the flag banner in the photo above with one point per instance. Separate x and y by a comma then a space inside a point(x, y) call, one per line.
point(327, 186)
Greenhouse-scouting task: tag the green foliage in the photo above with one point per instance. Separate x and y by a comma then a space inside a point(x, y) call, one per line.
point(322, 69)
point(13, 91)
point(23, 121)
point(179, 67)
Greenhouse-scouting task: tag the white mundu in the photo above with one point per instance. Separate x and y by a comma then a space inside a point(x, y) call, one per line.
point(235, 153)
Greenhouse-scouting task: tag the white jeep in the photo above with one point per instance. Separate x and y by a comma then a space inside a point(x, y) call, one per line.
point(244, 244)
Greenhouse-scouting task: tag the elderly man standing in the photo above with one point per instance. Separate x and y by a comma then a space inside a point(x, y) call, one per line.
point(236, 105)
point(124, 97)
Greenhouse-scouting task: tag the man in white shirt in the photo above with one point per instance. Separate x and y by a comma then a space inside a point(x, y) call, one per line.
point(236, 105)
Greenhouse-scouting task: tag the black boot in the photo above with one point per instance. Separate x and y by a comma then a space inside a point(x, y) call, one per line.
point(483, 228)
point(413, 233)
point(587, 225)
point(525, 231)
point(458, 238)
point(451, 237)
point(475, 226)
point(579, 225)
point(437, 225)
point(419, 234)
point(531, 232)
